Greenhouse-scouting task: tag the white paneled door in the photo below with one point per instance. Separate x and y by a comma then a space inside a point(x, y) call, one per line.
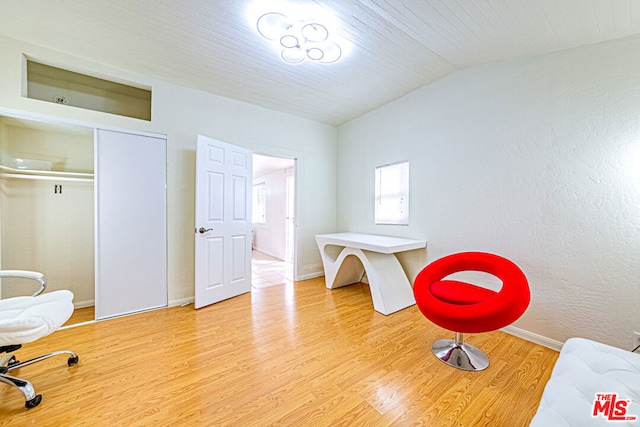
point(131, 223)
point(223, 221)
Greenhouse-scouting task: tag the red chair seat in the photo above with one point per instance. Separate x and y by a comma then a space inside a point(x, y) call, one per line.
point(461, 293)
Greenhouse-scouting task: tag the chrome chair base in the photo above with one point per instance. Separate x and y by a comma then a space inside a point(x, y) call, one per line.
point(8, 363)
point(460, 355)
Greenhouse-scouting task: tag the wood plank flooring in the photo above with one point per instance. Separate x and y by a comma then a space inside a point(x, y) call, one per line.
point(296, 354)
point(81, 315)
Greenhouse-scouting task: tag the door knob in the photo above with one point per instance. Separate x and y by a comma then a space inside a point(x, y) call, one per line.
point(203, 230)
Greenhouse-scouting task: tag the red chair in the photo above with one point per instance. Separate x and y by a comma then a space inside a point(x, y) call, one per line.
point(466, 308)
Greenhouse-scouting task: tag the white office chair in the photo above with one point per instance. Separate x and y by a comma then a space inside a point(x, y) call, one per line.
point(26, 319)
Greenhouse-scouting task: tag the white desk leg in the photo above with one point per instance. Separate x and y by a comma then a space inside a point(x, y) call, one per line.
point(390, 288)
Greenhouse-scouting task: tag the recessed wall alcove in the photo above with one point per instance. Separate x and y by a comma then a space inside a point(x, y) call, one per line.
point(53, 84)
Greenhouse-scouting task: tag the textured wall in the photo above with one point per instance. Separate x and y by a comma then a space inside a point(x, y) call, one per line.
point(534, 159)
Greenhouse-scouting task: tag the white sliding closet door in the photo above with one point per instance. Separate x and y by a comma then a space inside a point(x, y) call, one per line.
point(130, 232)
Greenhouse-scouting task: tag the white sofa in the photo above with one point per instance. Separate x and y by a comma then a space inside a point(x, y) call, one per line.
point(584, 370)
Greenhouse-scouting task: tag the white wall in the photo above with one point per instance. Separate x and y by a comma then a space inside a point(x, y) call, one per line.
point(51, 233)
point(270, 236)
point(182, 114)
point(536, 160)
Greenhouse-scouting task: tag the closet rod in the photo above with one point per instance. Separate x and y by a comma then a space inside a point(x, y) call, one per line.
point(44, 178)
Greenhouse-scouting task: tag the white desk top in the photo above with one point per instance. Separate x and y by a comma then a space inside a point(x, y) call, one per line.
point(371, 242)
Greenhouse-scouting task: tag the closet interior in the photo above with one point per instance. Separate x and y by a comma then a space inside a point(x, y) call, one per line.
point(47, 206)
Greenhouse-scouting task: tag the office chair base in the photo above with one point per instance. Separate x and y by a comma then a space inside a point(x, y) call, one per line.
point(26, 388)
point(15, 364)
point(460, 355)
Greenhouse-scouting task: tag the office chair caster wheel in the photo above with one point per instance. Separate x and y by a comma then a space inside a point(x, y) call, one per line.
point(72, 360)
point(33, 402)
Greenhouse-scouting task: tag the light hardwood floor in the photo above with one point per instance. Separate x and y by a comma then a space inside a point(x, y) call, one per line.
point(295, 354)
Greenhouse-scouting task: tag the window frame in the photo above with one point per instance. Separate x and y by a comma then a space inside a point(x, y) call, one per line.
point(392, 194)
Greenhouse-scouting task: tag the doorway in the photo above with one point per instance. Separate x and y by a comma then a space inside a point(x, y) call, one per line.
point(273, 254)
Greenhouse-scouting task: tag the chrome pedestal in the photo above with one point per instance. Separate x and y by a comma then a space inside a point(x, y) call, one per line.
point(459, 354)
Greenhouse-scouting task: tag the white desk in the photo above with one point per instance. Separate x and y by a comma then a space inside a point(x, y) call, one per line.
point(390, 287)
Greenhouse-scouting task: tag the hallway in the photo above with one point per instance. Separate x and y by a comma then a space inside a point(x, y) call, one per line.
point(269, 271)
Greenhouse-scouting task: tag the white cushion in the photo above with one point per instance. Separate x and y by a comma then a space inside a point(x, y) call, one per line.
point(583, 369)
point(25, 319)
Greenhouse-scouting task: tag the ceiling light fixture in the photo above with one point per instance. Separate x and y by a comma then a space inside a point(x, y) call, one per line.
point(299, 40)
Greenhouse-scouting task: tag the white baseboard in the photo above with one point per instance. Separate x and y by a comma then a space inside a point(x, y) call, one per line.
point(84, 304)
point(271, 254)
point(533, 337)
point(310, 275)
point(181, 301)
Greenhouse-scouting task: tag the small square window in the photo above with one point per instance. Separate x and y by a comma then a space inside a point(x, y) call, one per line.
point(392, 194)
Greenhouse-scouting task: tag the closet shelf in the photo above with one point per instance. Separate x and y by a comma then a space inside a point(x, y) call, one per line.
point(13, 173)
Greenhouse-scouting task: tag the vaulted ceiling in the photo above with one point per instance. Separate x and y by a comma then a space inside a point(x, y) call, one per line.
point(391, 46)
